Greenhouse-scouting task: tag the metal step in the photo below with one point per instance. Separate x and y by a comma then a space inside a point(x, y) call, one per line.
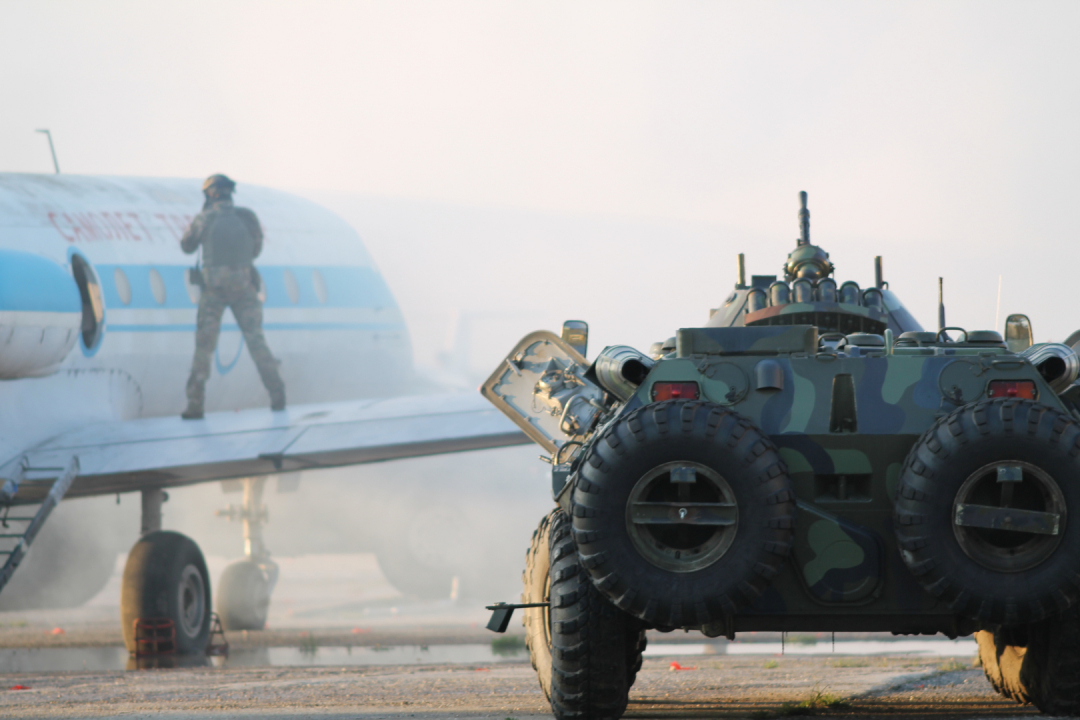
point(19, 542)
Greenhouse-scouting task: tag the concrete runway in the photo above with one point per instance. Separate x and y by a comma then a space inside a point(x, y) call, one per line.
point(716, 687)
point(319, 605)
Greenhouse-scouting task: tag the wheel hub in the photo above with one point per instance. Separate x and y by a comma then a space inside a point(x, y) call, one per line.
point(1009, 516)
point(682, 516)
point(192, 601)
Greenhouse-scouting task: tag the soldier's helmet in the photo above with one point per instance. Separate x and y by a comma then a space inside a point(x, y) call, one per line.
point(218, 184)
point(808, 261)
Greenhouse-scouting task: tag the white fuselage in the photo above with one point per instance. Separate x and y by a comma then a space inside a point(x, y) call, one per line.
point(328, 315)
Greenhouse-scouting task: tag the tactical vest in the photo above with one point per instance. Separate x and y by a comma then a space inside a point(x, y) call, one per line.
point(228, 240)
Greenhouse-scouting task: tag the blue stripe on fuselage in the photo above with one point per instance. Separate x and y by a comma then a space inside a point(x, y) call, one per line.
point(31, 283)
point(346, 287)
point(185, 327)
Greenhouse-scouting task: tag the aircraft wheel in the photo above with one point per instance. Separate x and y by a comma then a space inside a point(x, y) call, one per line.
point(411, 576)
point(243, 598)
point(166, 578)
point(423, 552)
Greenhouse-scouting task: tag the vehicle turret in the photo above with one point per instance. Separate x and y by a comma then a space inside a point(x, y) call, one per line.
point(810, 294)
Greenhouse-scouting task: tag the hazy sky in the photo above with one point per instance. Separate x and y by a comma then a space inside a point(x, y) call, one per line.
point(653, 141)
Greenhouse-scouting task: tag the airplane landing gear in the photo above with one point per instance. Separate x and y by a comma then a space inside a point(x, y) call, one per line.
point(243, 599)
point(165, 578)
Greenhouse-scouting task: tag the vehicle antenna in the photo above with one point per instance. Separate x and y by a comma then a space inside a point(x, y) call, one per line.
point(941, 304)
point(804, 220)
point(52, 149)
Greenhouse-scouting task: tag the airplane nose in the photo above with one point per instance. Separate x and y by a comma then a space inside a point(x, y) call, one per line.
point(40, 314)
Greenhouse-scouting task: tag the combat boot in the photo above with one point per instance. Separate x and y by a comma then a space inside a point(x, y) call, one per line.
point(277, 400)
point(194, 411)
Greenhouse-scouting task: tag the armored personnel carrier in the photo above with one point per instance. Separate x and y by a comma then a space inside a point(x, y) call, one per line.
point(811, 459)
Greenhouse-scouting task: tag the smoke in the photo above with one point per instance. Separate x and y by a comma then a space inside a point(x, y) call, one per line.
point(603, 162)
point(73, 555)
point(427, 520)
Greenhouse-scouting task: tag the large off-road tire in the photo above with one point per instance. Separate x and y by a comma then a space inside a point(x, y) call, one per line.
point(537, 581)
point(243, 597)
point(165, 577)
point(1002, 664)
point(677, 574)
point(635, 650)
point(996, 576)
point(1051, 669)
point(586, 652)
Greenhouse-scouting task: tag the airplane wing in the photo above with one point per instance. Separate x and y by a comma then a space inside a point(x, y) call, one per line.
point(165, 452)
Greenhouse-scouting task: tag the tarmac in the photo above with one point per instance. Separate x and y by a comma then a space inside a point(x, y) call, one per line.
point(896, 687)
point(349, 647)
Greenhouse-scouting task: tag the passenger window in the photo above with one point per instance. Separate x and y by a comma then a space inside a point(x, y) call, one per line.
point(292, 288)
point(157, 286)
point(123, 287)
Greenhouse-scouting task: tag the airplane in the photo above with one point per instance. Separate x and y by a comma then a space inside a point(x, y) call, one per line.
point(97, 321)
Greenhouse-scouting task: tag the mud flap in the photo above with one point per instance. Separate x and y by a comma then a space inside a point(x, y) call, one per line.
point(502, 612)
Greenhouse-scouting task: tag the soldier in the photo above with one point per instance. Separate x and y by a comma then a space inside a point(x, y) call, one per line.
point(231, 239)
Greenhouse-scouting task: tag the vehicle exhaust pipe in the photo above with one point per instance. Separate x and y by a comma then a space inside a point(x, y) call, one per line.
point(620, 370)
point(1058, 364)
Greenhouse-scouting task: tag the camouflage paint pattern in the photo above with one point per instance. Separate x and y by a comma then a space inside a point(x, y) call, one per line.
point(231, 239)
point(231, 288)
point(845, 563)
point(844, 419)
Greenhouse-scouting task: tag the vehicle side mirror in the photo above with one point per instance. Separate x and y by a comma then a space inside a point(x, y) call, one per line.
point(1018, 334)
point(576, 335)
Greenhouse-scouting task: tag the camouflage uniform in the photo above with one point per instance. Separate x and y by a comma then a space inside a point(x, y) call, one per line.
point(231, 239)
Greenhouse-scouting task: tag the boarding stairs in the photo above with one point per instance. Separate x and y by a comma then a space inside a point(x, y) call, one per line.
point(20, 523)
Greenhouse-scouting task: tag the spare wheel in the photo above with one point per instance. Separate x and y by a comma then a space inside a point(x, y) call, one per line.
point(682, 513)
point(988, 511)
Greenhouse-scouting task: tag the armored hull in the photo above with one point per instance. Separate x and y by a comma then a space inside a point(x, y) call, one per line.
point(810, 460)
